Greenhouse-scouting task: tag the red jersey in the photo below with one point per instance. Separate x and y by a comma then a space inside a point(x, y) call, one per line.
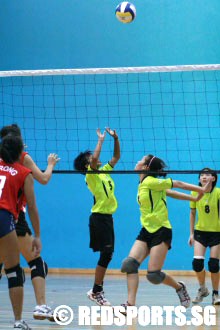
point(23, 203)
point(12, 177)
point(22, 157)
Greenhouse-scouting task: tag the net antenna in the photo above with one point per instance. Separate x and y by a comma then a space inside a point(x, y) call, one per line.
point(172, 112)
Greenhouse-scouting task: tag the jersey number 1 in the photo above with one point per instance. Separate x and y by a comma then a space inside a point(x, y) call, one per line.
point(2, 183)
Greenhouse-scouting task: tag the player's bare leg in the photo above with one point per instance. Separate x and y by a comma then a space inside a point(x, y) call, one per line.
point(9, 252)
point(25, 247)
point(199, 254)
point(41, 311)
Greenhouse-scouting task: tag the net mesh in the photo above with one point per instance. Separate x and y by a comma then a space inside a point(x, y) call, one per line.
point(174, 115)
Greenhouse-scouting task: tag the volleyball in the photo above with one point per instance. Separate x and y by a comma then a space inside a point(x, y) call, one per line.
point(125, 12)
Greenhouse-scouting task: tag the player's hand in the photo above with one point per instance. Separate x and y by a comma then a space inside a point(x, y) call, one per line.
point(208, 186)
point(101, 135)
point(191, 240)
point(198, 197)
point(53, 159)
point(111, 132)
point(36, 246)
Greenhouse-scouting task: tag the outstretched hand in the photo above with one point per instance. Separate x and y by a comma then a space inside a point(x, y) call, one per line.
point(53, 159)
point(199, 196)
point(111, 132)
point(101, 135)
point(208, 186)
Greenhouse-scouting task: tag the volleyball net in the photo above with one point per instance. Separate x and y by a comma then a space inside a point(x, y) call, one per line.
point(171, 112)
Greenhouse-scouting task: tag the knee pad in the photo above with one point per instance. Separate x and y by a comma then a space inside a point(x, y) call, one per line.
point(105, 259)
point(198, 265)
point(213, 265)
point(130, 266)
point(38, 268)
point(15, 276)
point(156, 277)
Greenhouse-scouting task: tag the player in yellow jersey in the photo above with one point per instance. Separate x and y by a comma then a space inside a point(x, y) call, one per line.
point(206, 233)
point(154, 239)
point(101, 225)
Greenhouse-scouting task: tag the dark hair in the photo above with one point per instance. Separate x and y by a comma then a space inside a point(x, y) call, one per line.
point(81, 161)
point(13, 129)
point(11, 148)
point(156, 164)
point(212, 172)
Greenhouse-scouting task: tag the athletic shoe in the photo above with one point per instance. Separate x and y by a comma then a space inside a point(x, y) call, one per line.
point(215, 299)
point(21, 325)
point(98, 297)
point(125, 305)
point(43, 312)
point(183, 295)
point(202, 293)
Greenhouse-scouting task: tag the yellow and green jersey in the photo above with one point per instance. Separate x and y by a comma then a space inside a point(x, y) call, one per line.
point(208, 211)
point(152, 200)
point(102, 187)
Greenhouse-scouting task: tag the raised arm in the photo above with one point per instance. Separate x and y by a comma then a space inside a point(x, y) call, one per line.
point(116, 154)
point(192, 187)
point(186, 197)
point(33, 212)
point(96, 153)
point(41, 177)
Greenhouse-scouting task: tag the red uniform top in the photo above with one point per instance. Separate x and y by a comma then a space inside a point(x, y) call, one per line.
point(22, 157)
point(23, 202)
point(12, 177)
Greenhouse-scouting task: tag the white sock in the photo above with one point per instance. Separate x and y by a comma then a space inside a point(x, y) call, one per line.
point(202, 287)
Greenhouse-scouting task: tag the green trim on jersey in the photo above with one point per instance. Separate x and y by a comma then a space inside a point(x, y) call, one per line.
point(152, 201)
point(208, 211)
point(102, 187)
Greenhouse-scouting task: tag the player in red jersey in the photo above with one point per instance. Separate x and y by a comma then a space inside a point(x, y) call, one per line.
point(37, 265)
point(16, 181)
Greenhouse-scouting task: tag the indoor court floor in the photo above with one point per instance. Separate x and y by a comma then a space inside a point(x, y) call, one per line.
point(71, 290)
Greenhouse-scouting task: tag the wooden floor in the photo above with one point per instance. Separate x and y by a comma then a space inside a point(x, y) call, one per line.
point(71, 291)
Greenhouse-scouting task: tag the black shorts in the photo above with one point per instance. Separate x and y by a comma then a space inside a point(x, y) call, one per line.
point(7, 224)
point(207, 238)
point(152, 239)
point(101, 228)
point(21, 226)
